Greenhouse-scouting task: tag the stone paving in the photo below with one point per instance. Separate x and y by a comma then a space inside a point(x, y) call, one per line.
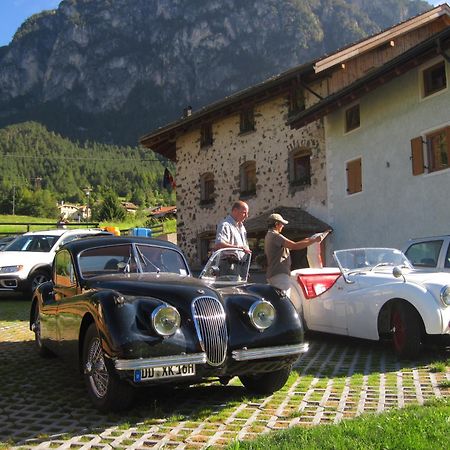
point(43, 404)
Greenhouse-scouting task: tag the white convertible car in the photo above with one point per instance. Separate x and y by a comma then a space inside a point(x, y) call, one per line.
point(375, 293)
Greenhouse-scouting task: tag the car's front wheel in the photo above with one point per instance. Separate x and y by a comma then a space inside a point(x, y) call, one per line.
point(266, 383)
point(106, 390)
point(35, 279)
point(406, 330)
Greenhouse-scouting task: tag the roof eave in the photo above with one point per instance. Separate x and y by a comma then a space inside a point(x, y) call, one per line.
point(393, 69)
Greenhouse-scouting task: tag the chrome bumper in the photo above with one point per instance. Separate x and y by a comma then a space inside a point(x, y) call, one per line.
point(269, 352)
point(243, 354)
point(172, 360)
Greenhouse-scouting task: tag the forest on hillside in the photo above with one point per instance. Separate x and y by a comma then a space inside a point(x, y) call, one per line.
point(40, 168)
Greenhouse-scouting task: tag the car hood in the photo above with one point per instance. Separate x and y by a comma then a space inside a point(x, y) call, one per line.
point(174, 289)
point(28, 258)
point(164, 286)
point(428, 278)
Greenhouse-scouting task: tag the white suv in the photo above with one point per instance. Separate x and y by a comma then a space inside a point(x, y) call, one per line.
point(430, 253)
point(26, 262)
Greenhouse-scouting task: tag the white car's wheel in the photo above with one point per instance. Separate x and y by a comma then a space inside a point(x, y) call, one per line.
point(407, 330)
point(35, 279)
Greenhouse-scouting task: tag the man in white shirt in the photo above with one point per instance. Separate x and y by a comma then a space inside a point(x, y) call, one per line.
point(231, 231)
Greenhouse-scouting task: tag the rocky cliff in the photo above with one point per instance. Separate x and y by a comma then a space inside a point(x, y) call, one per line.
point(113, 70)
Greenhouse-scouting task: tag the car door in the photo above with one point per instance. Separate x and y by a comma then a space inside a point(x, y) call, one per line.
point(67, 317)
point(324, 303)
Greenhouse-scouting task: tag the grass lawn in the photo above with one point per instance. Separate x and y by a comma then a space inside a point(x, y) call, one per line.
point(170, 226)
point(413, 427)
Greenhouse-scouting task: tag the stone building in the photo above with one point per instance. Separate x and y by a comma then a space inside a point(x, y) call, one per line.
point(243, 147)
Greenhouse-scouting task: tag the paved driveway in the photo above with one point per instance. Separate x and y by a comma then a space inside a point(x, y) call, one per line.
point(44, 405)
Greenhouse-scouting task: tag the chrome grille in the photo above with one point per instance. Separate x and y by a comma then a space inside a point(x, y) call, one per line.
point(210, 323)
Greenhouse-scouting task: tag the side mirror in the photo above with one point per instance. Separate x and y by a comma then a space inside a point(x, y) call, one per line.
point(397, 272)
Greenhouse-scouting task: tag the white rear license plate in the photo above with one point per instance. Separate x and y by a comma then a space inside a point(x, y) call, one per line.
point(154, 373)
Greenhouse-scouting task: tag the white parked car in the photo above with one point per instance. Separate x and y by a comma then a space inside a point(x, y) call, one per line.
point(430, 253)
point(375, 293)
point(26, 261)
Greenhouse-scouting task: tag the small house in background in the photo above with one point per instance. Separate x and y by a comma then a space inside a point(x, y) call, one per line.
point(75, 213)
point(163, 212)
point(129, 207)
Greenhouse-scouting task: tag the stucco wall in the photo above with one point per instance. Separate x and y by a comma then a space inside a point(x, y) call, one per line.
point(269, 146)
point(394, 205)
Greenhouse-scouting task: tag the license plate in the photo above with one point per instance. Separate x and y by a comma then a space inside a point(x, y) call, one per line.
point(154, 373)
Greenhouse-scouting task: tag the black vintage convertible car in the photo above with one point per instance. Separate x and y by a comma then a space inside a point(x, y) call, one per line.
point(126, 312)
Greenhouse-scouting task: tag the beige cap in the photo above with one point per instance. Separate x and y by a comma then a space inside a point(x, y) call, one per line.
point(277, 218)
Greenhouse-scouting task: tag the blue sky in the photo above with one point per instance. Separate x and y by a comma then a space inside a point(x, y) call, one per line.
point(14, 12)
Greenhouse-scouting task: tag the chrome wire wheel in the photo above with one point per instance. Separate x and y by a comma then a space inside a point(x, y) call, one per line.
point(96, 369)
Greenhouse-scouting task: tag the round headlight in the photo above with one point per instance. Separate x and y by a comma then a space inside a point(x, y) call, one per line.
point(262, 314)
point(166, 320)
point(445, 295)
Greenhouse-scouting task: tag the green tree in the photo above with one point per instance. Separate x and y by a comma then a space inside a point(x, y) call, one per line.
point(110, 209)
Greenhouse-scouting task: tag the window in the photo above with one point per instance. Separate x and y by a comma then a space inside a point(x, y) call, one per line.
point(437, 145)
point(447, 259)
point(207, 189)
point(352, 118)
point(424, 254)
point(248, 178)
point(296, 100)
point(354, 176)
point(247, 122)
point(434, 79)
point(300, 167)
point(64, 271)
point(206, 135)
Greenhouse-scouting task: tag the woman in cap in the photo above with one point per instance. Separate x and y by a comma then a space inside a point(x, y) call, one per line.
point(277, 249)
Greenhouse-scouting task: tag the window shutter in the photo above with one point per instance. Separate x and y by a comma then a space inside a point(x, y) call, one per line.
point(417, 156)
point(447, 137)
point(354, 176)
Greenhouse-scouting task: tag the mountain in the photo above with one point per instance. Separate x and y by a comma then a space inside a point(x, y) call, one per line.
point(113, 70)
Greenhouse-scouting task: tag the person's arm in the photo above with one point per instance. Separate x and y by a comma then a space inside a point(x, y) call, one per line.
point(292, 245)
point(220, 245)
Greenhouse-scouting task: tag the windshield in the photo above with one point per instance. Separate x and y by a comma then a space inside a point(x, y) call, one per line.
point(31, 243)
point(130, 258)
point(227, 265)
point(370, 258)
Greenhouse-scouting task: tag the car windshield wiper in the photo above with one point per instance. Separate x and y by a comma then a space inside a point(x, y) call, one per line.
point(146, 261)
